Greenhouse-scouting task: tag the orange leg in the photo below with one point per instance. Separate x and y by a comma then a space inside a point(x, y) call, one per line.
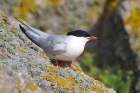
point(56, 62)
point(70, 66)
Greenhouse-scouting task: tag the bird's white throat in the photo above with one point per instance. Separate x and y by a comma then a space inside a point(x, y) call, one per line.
point(76, 46)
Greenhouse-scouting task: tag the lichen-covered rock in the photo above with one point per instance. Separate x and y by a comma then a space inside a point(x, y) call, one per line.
point(12, 81)
point(23, 68)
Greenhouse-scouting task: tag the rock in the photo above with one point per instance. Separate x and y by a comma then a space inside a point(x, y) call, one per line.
point(23, 69)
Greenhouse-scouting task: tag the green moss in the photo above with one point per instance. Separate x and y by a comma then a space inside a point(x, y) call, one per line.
point(109, 76)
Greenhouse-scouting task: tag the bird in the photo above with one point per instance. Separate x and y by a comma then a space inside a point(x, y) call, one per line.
point(59, 47)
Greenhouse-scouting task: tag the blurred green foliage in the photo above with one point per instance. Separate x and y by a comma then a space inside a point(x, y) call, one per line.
point(111, 76)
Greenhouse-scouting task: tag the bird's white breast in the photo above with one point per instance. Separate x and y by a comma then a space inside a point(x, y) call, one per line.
point(64, 47)
point(74, 48)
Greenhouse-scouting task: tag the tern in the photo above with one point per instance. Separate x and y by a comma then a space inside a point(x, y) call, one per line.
point(59, 47)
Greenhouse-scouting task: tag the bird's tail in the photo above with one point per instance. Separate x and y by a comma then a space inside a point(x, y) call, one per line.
point(32, 33)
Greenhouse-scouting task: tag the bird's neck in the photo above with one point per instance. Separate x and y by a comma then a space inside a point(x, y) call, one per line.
point(76, 46)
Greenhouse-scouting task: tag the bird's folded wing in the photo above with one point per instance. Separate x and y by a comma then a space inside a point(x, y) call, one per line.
point(56, 45)
point(33, 34)
point(29, 28)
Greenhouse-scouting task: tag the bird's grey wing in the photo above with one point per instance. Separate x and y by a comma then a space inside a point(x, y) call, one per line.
point(33, 34)
point(57, 45)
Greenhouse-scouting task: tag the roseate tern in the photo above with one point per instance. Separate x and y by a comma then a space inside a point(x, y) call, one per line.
point(59, 47)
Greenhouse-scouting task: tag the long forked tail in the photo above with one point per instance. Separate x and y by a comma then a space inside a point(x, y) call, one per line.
point(32, 33)
point(33, 38)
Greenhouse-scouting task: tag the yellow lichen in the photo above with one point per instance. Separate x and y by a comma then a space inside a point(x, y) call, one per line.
point(51, 68)
point(77, 83)
point(22, 50)
point(70, 79)
point(55, 78)
point(106, 91)
point(43, 56)
point(61, 82)
point(57, 91)
point(49, 78)
point(93, 88)
point(52, 77)
point(52, 73)
point(70, 87)
point(33, 87)
point(81, 91)
point(73, 82)
point(19, 85)
point(14, 30)
point(133, 20)
point(78, 69)
point(61, 68)
point(3, 89)
point(83, 76)
point(98, 90)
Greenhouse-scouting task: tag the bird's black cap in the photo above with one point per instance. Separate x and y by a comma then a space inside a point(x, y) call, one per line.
point(79, 33)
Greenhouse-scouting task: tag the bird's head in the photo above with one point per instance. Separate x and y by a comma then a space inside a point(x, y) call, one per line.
point(81, 33)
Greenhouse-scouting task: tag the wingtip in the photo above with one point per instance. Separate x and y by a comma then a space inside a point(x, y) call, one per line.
point(22, 29)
